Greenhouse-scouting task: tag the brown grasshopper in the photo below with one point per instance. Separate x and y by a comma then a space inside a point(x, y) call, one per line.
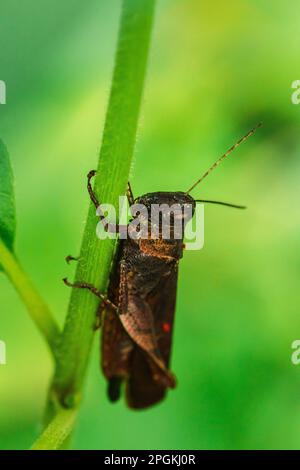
point(140, 306)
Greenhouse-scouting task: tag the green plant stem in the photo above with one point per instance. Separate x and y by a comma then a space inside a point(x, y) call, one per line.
point(112, 176)
point(37, 309)
point(57, 432)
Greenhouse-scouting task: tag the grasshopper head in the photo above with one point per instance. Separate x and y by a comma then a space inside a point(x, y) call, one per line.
point(180, 204)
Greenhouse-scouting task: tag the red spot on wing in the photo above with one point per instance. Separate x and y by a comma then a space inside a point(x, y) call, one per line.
point(166, 327)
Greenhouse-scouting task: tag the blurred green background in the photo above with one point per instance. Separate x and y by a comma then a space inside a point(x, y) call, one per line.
point(216, 69)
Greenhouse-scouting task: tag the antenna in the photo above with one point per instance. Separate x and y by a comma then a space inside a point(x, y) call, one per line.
point(228, 204)
point(217, 163)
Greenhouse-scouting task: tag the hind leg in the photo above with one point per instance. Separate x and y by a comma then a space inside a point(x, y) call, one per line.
point(94, 290)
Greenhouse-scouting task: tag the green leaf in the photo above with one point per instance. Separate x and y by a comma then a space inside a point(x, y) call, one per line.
point(37, 308)
point(7, 200)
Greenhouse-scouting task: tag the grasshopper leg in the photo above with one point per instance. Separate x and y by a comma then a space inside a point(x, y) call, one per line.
point(107, 227)
point(93, 196)
point(129, 194)
point(94, 290)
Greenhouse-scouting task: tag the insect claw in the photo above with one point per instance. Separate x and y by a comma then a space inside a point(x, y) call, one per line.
point(66, 282)
point(71, 258)
point(91, 174)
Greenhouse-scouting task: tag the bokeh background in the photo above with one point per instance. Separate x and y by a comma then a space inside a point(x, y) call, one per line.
point(216, 69)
